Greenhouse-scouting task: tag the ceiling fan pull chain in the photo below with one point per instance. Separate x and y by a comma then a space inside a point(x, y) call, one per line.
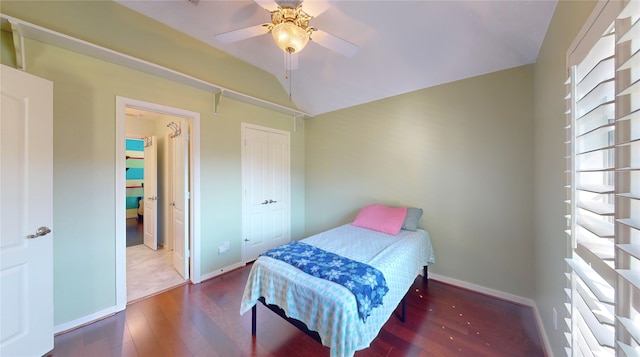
point(288, 73)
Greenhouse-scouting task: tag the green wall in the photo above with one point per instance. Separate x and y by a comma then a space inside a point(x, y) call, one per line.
point(84, 165)
point(7, 54)
point(461, 151)
point(551, 243)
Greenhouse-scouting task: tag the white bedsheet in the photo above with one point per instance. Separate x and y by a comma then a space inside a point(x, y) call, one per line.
point(329, 308)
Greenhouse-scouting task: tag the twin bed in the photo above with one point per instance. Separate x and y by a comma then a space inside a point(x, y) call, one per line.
point(331, 309)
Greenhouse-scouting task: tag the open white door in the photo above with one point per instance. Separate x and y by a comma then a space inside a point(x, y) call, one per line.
point(168, 217)
point(151, 192)
point(180, 202)
point(26, 214)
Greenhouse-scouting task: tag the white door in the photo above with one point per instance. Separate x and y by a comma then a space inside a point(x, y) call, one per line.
point(168, 219)
point(265, 180)
point(150, 192)
point(26, 214)
point(278, 190)
point(180, 203)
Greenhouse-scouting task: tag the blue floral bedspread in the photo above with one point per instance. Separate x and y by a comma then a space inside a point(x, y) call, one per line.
point(367, 283)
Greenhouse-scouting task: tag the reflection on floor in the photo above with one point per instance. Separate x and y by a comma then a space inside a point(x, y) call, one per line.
point(150, 272)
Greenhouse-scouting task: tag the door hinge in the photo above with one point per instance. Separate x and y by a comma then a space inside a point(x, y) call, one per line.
point(187, 254)
point(187, 195)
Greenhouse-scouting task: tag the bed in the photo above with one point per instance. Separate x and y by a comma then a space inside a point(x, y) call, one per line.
point(330, 309)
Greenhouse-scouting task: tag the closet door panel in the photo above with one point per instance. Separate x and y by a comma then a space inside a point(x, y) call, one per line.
point(265, 185)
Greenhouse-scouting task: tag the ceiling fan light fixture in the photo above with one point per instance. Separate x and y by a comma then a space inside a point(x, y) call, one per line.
point(289, 37)
point(290, 28)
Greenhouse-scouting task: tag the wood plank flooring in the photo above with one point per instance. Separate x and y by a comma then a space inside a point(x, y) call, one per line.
point(204, 320)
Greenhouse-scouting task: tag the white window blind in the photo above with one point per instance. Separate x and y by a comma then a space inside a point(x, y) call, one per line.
point(603, 184)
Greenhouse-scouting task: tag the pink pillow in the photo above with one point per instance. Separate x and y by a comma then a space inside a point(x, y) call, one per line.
point(381, 218)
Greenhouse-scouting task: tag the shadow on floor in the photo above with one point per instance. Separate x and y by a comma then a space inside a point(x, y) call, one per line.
point(135, 232)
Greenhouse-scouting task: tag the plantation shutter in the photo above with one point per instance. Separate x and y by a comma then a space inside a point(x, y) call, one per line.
point(603, 183)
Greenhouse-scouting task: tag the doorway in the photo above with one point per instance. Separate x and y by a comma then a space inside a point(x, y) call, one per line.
point(155, 172)
point(169, 217)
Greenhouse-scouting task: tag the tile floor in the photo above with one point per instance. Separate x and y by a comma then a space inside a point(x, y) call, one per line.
point(149, 272)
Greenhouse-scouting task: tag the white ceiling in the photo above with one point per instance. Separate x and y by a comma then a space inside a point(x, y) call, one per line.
point(403, 45)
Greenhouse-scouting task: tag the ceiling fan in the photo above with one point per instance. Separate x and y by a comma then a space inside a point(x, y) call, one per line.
point(290, 28)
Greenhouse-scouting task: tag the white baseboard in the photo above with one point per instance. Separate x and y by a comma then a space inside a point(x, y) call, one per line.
point(481, 289)
point(542, 331)
point(501, 295)
point(85, 320)
point(221, 271)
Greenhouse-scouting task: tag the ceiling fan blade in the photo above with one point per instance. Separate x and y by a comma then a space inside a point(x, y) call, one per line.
point(311, 7)
point(241, 34)
point(315, 7)
point(269, 5)
point(334, 43)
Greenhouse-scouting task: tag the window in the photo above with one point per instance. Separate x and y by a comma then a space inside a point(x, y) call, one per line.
point(603, 183)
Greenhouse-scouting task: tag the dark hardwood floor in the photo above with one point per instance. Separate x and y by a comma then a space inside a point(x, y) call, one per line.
point(204, 320)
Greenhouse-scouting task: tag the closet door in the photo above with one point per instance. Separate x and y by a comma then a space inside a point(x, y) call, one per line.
point(266, 192)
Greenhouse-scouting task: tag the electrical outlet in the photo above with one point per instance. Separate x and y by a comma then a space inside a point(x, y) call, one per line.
point(223, 248)
point(555, 318)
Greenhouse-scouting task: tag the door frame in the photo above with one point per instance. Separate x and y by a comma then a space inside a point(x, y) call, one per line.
point(193, 120)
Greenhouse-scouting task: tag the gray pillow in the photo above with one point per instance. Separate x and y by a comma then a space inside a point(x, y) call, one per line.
point(412, 218)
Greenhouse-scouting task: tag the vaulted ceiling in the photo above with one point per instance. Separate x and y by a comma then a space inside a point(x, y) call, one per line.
point(403, 46)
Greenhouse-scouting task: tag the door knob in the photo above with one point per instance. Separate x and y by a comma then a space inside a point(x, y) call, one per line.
point(265, 202)
point(272, 201)
point(42, 231)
